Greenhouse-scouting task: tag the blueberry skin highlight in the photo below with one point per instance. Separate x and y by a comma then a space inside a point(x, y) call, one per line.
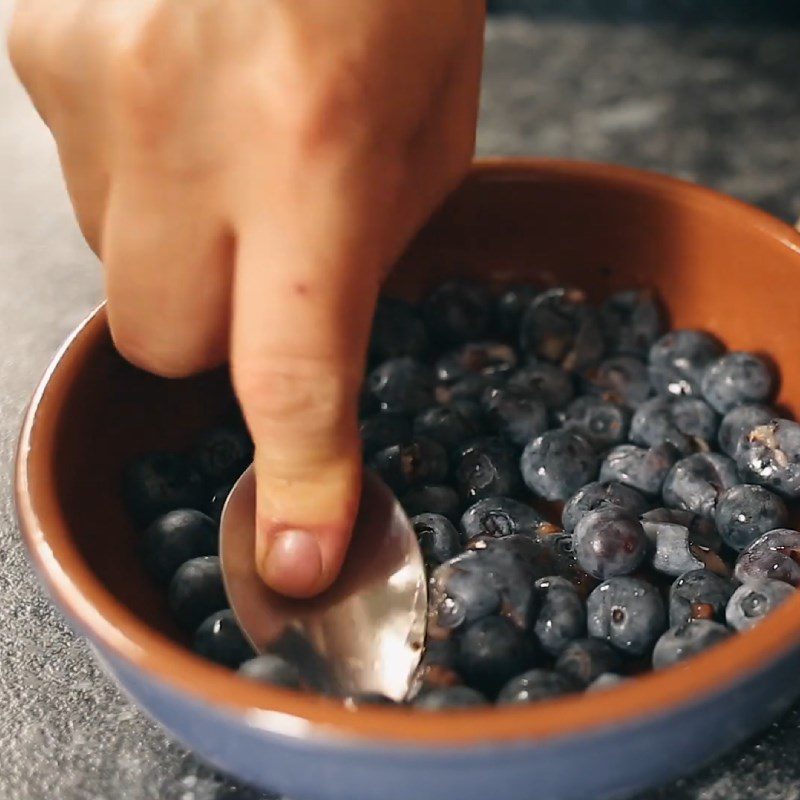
point(174, 538)
point(487, 467)
point(493, 360)
point(770, 456)
point(628, 613)
point(679, 358)
point(535, 685)
point(220, 639)
point(586, 660)
point(751, 602)
point(735, 379)
point(510, 307)
point(640, 468)
point(599, 495)
point(557, 463)
point(687, 640)
point(695, 483)
point(747, 511)
point(602, 423)
point(738, 422)
point(196, 592)
point(699, 594)
point(609, 543)
point(562, 616)
point(156, 483)
point(774, 555)
point(383, 430)
point(269, 668)
point(402, 385)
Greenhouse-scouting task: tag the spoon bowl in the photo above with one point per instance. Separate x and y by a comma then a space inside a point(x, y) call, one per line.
point(364, 634)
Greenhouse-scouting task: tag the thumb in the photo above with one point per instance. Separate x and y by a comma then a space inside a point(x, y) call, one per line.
point(299, 340)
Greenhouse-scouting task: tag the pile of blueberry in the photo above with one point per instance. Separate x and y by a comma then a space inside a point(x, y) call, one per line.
point(493, 417)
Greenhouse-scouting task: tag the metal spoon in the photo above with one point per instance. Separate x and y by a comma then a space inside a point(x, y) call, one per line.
point(364, 634)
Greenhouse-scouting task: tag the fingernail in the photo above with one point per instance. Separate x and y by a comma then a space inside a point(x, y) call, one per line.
point(293, 563)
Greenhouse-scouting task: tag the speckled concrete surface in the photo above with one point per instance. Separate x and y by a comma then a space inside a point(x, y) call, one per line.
point(720, 107)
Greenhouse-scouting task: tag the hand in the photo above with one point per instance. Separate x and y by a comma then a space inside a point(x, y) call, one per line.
point(247, 172)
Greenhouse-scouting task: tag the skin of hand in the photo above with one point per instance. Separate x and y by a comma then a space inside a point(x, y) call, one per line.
point(247, 171)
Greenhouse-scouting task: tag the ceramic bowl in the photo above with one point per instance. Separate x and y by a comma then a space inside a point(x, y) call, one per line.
point(719, 265)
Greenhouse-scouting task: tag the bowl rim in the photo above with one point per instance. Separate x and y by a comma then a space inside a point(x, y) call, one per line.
point(78, 592)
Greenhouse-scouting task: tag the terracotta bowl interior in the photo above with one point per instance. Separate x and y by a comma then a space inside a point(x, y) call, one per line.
point(716, 264)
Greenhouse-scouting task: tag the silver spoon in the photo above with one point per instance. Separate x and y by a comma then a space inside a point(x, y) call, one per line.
point(366, 633)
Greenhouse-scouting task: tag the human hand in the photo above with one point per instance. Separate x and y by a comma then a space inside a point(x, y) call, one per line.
point(247, 171)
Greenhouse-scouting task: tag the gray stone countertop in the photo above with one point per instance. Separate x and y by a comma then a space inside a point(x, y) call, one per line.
point(717, 105)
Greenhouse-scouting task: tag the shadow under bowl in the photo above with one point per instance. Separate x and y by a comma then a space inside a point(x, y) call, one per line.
point(718, 265)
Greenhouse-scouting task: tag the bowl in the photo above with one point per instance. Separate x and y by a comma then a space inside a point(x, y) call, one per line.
point(719, 265)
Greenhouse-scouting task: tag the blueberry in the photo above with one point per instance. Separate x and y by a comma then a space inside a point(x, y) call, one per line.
point(510, 307)
point(449, 697)
point(434, 499)
point(159, 482)
point(597, 495)
point(217, 504)
point(383, 430)
point(631, 321)
point(458, 312)
point(678, 359)
point(174, 538)
point(619, 379)
point(628, 613)
point(702, 531)
point(747, 511)
point(196, 591)
point(500, 516)
point(516, 414)
point(269, 668)
point(672, 552)
point(487, 467)
point(438, 538)
point(535, 685)
point(557, 463)
point(418, 462)
point(608, 680)
point(585, 660)
point(609, 543)
point(738, 422)
point(687, 423)
point(222, 454)
point(737, 378)
point(397, 330)
point(698, 594)
point(491, 651)
point(402, 385)
point(494, 360)
point(687, 640)
point(448, 425)
point(602, 423)
point(470, 388)
point(562, 617)
point(770, 455)
point(695, 483)
point(461, 591)
point(639, 467)
point(559, 326)
point(553, 385)
point(437, 667)
point(775, 555)
point(220, 639)
point(751, 602)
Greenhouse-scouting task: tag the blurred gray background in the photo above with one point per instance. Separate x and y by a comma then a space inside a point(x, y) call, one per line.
point(703, 90)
